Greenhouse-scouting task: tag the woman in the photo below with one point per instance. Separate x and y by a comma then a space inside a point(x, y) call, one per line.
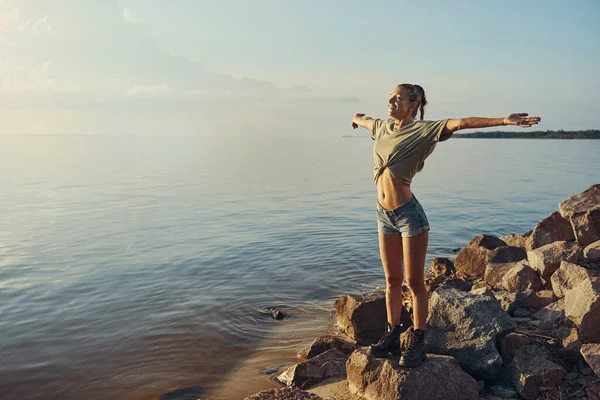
point(401, 147)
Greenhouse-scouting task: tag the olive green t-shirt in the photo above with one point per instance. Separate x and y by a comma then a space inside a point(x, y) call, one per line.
point(403, 151)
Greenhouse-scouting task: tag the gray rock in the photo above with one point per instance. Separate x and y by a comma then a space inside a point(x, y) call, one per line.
point(327, 342)
point(439, 377)
point(510, 344)
point(471, 260)
point(327, 365)
point(522, 312)
point(553, 313)
point(547, 259)
point(591, 354)
point(553, 228)
point(514, 240)
point(504, 392)
point(464, 326)
point(483, 291)
point(521, 278)
point(592, 252)
point(530, 300)
point(533, 368)
point(495, 272)
point(582, 306)
point(286, 393)
point(506, 254)
point(583, 211)
point(458, 283)
point(566, 277)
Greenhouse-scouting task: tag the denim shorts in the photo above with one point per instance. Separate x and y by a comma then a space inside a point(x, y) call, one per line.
point(407, 220)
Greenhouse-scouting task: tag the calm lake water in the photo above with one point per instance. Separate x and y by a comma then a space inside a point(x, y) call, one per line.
point(130, 267)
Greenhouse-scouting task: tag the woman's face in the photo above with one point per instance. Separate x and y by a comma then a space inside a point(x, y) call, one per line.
point(399, 107)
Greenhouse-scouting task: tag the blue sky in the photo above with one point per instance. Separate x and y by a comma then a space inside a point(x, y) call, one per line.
point(269, 67)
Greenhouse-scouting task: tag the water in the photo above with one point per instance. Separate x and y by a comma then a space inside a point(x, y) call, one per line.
point(130, 267)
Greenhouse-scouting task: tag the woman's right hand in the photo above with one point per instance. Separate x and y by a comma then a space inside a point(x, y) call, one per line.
point(355, 119)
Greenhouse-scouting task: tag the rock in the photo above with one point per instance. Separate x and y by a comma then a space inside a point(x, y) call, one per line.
point(495, 272)
point(571, 376)
point(553, 313)
point(591, 355)
point(362, 318)
point(472, 259)
point(521, 312)
point(583, 211)
point(514, 240)
point(566, 277)
point(593, 393)
point(483, 291)
point(464, 325)
point(327, 342)
point(530, 300)
point(506, 254)
point(458, 283)
point(533, 368)
point(277, 314)
point(441, 267)
point(287, 393)
point(592, 252)
point(586, 371)
point(327, 365)
point(572, 345)
point(582, 306)
point(189, 393)
point(521, 278)
point(547, 259)
point(439, 377)
point(553, 228)
point(510, 344)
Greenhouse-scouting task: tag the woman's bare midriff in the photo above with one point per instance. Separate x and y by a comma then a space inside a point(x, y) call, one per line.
point(391, 193)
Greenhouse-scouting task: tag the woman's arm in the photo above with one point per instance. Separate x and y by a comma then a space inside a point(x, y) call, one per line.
point(363, 121)
point(520, 119)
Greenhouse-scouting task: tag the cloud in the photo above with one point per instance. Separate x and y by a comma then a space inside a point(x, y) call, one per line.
point(161, 89)
point(40, 25)
point(130, 17)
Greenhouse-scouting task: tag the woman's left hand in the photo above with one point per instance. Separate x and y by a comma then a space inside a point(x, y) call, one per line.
point(521, 119)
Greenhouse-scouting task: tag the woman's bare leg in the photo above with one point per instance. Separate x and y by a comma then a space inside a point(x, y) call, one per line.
point(415, 249)
point(390, 249)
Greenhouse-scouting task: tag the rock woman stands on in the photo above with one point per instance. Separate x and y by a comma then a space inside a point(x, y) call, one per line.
point(401, 146)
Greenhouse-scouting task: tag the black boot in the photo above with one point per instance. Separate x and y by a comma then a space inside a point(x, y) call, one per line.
point(389, 342)
point(415, 350)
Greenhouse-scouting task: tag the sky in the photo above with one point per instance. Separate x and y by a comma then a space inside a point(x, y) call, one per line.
point(273, 67)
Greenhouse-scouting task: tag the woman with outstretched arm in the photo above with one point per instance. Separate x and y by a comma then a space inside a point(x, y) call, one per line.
point(401, 145)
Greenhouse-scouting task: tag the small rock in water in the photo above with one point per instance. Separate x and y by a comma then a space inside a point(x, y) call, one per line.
point(277, 313)
point(269, 371)
point(190, 393)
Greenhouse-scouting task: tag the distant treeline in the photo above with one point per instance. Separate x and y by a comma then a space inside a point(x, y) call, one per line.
point(590, 134)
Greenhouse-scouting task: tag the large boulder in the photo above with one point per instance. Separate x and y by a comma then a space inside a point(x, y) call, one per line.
point(464, 326)
point(591, 354)
point(553, 313)
point(506, 254)
point(533, 368)
point(439, 377)
point(441, 267)
point(363, 318)
point(583, 211)
point(472, 259)
point(286, 393)
point(521, 278)
point(582, 306)
point(328, 342)
point(553, 228)
point(494, 272)
point(327, 365)
point(592, 252)
point(566, 277)
point(546, 259)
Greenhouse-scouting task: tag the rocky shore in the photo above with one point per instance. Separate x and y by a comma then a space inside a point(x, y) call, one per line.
point(514, 317)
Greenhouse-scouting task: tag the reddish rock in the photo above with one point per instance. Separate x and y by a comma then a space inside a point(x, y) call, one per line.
point(530, 300)
point(546, 259)
point(533, 368)
point(553, 313)
point(495, 272)
point(471, 260)
point(506, 254)
point(510, 344)
point(553, 228)
point(521, 278)
point(327, 365)
point(328, 342)
point(514, 240)
point(566, 277)
point(582, 306)
point(437, 378)
point(441, 267)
